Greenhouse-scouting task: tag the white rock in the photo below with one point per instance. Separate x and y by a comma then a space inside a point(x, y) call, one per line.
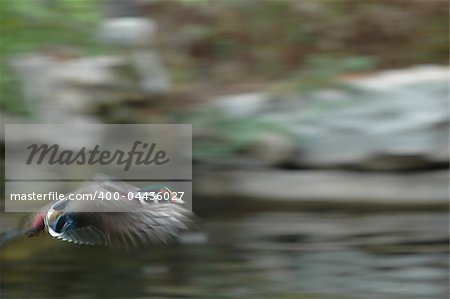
point(398, 119)
point(242, 105)
point(128, 31)
point(388, 80)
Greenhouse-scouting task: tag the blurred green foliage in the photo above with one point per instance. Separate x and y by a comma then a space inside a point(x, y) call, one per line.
point(321, 72)
point(221, 136)
point(30, 25)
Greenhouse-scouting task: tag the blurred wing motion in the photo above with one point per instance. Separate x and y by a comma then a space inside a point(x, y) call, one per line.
point(141, 224)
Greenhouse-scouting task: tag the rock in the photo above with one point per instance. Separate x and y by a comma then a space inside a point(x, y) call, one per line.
point(393, 120)
point(128, 31)
point(398, 121)
point(243, 105)
point(154, 78)
point(67, 90)
point(393, 79)
point(135, 36)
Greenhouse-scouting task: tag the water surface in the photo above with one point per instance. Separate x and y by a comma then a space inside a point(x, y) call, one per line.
point(264, 255)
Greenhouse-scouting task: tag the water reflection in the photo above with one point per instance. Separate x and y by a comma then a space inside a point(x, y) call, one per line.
point(273, 255)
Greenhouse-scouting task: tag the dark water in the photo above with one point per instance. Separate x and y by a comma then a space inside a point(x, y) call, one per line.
point(272, 255)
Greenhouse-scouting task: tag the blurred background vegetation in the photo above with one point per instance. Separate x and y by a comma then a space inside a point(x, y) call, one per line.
point(237, 45)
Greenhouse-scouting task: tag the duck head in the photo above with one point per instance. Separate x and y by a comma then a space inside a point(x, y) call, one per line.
point(36, 225)
point(56, 220)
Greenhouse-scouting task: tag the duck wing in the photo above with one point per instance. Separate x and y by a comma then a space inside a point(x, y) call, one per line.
point(158, 224)
point(123, 223)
